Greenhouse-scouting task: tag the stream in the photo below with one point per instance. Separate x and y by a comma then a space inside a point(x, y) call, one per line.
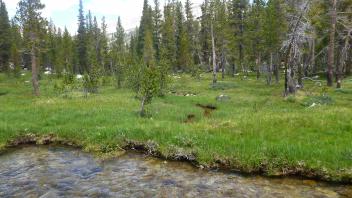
point(47, 172)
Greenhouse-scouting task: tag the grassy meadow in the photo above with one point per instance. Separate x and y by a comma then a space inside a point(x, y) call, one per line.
point(254, 130)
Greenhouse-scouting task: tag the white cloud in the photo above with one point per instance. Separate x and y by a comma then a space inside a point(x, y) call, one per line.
point(64, 12)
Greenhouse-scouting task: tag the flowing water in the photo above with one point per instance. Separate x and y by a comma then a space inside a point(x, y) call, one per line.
point(65, 172)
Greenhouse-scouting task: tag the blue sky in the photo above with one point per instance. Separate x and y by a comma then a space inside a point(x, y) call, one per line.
point(64, 12)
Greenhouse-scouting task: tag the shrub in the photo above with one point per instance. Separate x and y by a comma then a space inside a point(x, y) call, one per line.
point(318, 100)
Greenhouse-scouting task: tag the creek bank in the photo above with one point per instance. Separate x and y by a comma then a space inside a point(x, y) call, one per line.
point(151, 148)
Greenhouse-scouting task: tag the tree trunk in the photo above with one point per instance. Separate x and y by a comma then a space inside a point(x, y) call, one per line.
point(300, 75)
point(331, 52)
point(258, 63)
point(269, 68)
point(35, 81)
point(214, 54)
point(142, 111)
point(349, 66)
point(223, 63)
point(314, 69)
point(276, 68)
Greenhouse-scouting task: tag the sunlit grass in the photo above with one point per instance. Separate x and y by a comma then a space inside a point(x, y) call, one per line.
point(256, 127)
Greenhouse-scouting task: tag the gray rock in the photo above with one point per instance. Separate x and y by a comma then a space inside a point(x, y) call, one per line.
point(223, 98)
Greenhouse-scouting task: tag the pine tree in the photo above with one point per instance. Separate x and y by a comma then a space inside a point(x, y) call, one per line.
point(144, 27)
point(255, 33)
point(237, 17)
point(205, 34)
point(29, 16)
point(119, 53)
point(104, 46)
point(82, 42)
point(168, 47)
point(16, 43)
point(67, 44)
point(5, 38)
point(274, 31)
point(157, 20)
point(182, 41)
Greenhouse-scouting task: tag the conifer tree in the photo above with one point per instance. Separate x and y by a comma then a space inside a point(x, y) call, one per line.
point(5, 38)
point(119, 58)
point(274, 30)
point(82, 42)
point(16, 43)
point(168, 47)
point(157, 20)
point(29, 16)
point(67, 56)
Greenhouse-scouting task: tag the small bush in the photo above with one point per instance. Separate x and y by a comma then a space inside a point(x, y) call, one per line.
point(318, 100)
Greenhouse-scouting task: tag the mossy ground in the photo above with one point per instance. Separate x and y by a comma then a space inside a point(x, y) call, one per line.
point(256, 130)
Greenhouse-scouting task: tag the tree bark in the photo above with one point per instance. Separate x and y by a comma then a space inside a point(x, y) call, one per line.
point(142, 111)
point(258, 62)
point(214, 55)
point(288, 52)
point(314, 70)
point(331, 52)
point(277, 68)
point(35, 81)
point(269, 68)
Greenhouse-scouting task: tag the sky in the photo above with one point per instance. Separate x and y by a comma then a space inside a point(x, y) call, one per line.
point(64, 12)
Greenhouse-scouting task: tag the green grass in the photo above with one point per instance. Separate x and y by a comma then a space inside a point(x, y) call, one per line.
point(257, 129)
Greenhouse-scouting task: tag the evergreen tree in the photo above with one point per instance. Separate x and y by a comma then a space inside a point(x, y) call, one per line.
point(67, 56)
point(29, 16)
point(144, 27)
point(182, 41)
point(119, 53)
point(16, 44)
point(5, 38)
point(274, 32)
point(82, 42)
point(168, 47)
point(237, 16)
point(255, 34)
point(104, 46)
point(205, 34)
point(157, 20)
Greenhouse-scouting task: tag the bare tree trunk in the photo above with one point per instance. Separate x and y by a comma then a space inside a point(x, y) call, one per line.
point(214, 54)
point(288, 52)
point(142, 111)
point(331, 53)
point(349, 66)
point(223, 63)
point(300, 75)
point(314, 70)
point(35, 81)
point(270, 67)
point(276, 69)
point(258, 63)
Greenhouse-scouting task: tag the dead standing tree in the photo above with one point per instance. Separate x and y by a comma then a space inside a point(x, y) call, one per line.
point(290, 87)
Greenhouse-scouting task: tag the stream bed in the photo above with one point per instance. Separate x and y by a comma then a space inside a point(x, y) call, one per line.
point(66, 172)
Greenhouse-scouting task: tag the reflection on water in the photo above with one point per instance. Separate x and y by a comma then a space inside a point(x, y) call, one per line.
point(63, 172)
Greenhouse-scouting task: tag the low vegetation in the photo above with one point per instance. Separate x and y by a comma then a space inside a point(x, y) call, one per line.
point(252, 129)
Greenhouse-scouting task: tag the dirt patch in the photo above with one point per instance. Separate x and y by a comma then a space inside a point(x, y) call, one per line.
point(28, 139)
point(208, 109)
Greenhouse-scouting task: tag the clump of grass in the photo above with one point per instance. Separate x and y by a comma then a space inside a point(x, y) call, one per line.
point(223, 86)
point(344, 91)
